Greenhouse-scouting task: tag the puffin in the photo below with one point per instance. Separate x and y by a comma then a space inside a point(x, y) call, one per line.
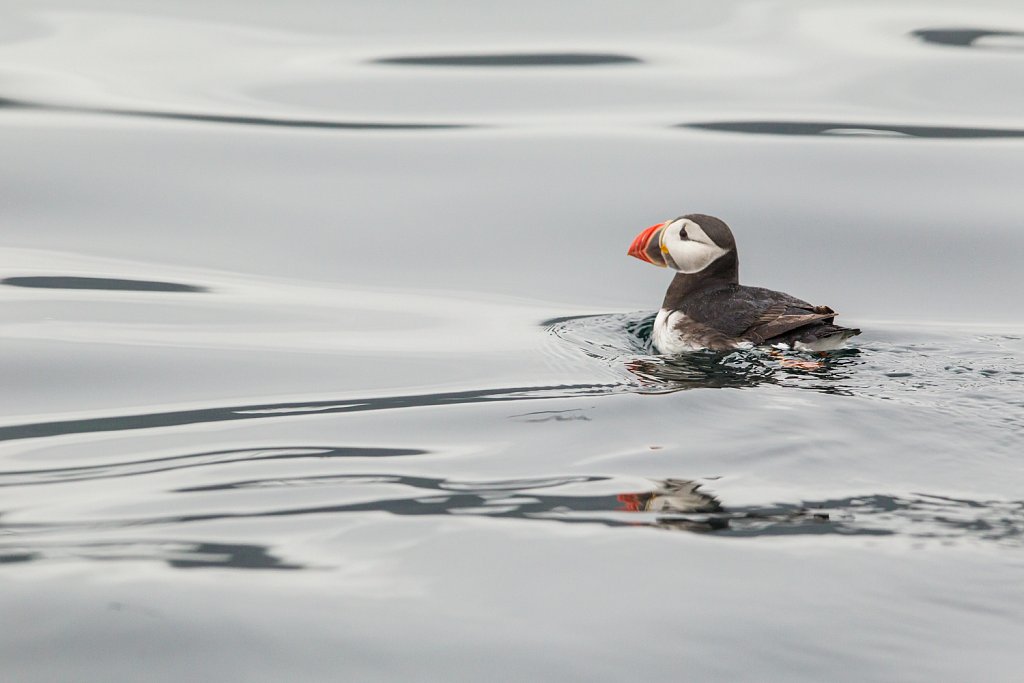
point(706, 307)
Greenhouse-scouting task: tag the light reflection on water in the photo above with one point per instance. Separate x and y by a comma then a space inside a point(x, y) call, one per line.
point(325, 289)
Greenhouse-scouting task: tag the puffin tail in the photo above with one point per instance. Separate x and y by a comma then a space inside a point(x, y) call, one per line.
point(825, 338)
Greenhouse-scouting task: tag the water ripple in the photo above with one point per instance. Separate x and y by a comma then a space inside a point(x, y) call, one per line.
point(100, 283)
point(622, 342)
point(976, 376)
point(847, 129)
point(968, 37)
point(131, 468)
point(175, 418)
point(517, 59)
point(325, 124)
point(180, 554)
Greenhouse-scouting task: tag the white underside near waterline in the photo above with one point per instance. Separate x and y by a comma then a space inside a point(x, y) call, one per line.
point(669, 339)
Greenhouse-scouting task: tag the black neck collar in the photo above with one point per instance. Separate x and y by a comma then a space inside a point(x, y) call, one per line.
point(723, 271)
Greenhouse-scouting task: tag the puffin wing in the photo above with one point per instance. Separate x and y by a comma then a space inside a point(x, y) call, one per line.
point(781, 324)
point(753, 313)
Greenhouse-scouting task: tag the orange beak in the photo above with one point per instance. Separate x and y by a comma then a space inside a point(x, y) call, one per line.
point(647, 246)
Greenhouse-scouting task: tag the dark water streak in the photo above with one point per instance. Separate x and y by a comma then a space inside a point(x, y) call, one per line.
point(179, 554)
point(523, 59)
point(7, 103)
point(133, 468)
point(99, 283)
point(837, 129)
point(176, 418)
point(966, 37)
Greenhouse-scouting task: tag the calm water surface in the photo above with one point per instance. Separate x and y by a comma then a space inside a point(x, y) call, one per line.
point(323, 359)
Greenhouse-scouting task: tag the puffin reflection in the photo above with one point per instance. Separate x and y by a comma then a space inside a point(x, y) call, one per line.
point(671, 495)
point(699, 369)
point(675, 497)
point(680, 504)
point(741, 369)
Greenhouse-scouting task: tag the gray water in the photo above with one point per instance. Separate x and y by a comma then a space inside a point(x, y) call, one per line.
point(323, 360)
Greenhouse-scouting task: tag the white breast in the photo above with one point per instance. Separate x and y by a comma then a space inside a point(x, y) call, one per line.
point(667, 338)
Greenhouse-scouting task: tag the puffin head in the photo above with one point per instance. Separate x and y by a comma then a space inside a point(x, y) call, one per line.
point(688, 244)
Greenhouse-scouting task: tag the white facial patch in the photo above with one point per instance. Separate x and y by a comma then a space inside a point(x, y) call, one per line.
point(690, 255)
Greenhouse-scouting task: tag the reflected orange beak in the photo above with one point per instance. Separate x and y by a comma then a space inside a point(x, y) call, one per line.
point(647, 246)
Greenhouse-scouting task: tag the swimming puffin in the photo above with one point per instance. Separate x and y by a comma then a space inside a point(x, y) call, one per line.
point(707, 308)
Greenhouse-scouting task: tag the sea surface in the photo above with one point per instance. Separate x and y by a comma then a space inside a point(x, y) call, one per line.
point(322, 358)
